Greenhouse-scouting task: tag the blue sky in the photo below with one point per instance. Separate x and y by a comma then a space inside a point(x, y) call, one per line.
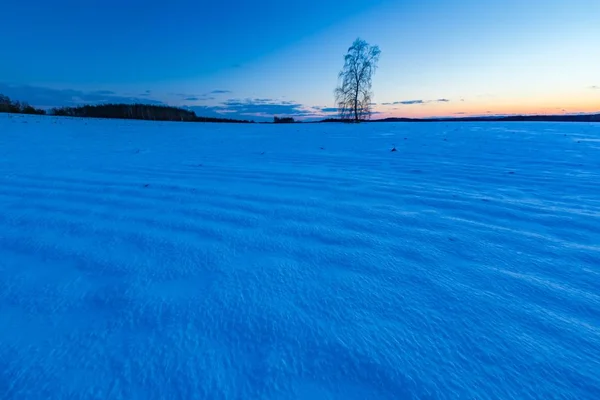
point(255, 59)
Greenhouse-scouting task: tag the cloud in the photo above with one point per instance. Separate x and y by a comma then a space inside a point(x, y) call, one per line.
point(210, 111)
point(104, 92)
point(184, 95)
point(192, 97)
point(199, 97)
point(265, 101)
point(48, 98)
point(595, 87)
point(413, 102)
point(409, 102)
point(263, 109)
point(460, 113)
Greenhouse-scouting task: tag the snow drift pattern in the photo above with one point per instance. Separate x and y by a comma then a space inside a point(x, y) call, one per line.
point(160, 260)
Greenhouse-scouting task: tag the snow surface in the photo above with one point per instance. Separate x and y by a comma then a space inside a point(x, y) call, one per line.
point(144, 260)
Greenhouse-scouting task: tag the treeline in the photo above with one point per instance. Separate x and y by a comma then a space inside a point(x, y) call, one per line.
point(17, 107)
point(138, 111)
point(116, 111)
point(127, 111)
point(283, 120)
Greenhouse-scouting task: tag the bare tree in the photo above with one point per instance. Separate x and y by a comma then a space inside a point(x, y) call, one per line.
point(353, 95)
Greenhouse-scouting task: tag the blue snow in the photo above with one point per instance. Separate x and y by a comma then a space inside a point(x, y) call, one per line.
point(144, 260)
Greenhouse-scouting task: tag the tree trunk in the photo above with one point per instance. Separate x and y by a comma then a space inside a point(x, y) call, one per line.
point(356, 107)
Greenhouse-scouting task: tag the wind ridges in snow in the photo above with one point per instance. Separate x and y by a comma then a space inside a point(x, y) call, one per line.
point(156, 260)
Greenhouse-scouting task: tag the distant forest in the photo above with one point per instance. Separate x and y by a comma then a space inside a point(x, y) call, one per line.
point(17, 107)
point(117, 111)
point(138, 111)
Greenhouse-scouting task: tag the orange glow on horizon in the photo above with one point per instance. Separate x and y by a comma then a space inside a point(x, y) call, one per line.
point(561, 106)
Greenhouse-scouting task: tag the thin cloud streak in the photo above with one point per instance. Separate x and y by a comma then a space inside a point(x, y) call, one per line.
point(415, 102)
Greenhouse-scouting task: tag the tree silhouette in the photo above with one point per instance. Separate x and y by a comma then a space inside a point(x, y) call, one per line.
point(353, 95)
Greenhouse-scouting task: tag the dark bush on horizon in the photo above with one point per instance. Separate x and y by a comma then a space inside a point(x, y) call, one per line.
point(283, 120)
point(17, 107)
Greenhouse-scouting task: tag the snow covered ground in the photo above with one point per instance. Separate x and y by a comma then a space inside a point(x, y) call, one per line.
point(145, 260)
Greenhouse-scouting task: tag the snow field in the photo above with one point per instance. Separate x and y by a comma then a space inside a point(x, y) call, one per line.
point(145, 260)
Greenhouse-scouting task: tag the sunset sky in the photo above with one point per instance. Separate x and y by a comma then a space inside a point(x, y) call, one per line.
point(256, 59)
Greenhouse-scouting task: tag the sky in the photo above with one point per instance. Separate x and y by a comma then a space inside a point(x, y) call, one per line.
point(256, 59)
